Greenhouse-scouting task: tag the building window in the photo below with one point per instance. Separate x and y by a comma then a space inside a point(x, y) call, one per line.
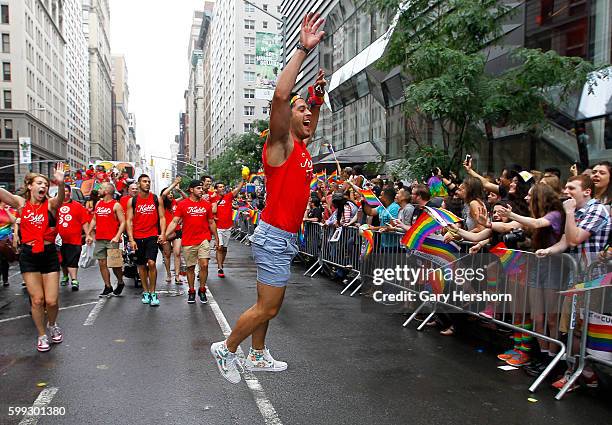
point(265, 7)
point(8, 129)
point(277, 9)
point(249, 111)
point(4, 14)
point(249, 41)
point(265, 24)
point(6, 43)
point(248, 127)
point(6, 71)
point(249, 24)
point(249, 8)
point(249, 76)
point(249, 93)
point(279, 26)
point(8, 99)
point(264, 110)
point(249, 59)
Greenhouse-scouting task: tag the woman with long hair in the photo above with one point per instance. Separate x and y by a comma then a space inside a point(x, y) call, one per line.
point(601, 180)
point(546, 223)
point(38, 261)
point(173, 247)
point(471, 192)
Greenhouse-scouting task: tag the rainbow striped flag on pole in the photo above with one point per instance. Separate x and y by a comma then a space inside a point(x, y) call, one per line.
point(442, 216)
point(417, 233)
point(369, 242)
point(441, 252)
point(508, 257)
point(370, 197)
point(314, 183)
point(601, 281)
point(321, 175)
point(333, 176)
point(255, 217)
point(234, 215)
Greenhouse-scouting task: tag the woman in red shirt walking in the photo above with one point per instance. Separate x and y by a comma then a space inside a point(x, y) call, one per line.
point(38, 260)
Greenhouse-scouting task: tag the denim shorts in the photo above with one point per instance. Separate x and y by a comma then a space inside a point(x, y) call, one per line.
point(273, 250)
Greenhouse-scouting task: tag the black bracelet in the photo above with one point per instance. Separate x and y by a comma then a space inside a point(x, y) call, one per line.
point(301, 47)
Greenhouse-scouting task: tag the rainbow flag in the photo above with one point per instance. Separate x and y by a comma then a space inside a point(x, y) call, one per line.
point(599, 336)
point(314, 184)
point(370, 197)
point(255, 217)
point(442, 216)
point(369, 242)
point(321, 175)
point(601, 281)
point(508, 257)
point(417, 233)
point(436, 187)
point(258, 174)
point(302, 234)
point(435, 246)
point(234, 215)
point(333, 176)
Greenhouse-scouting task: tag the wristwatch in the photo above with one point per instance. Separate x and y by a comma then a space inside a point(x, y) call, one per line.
point(301, 47)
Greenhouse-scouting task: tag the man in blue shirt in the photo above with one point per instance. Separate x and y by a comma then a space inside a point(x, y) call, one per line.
point(389, 210)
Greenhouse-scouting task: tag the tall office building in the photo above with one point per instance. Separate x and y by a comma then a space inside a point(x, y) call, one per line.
point(121, 94)
point(77, 85)
point(96, 26)
point(32, 87)
point(245, 61)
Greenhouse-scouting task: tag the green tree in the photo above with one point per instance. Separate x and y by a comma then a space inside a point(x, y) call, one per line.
point(443, 46)
point(242, 150)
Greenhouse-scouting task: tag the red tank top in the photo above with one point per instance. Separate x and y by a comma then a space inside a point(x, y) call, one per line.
point(288, 189)
point(106, 220)
point(35, 225)
point(146, 218)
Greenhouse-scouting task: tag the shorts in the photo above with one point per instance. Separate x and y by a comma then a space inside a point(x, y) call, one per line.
point(193, 253)
point(43, 262)
point(224, 236)
point(70, 255)
point(147, 250)
point(109, 251)
point(273, 251)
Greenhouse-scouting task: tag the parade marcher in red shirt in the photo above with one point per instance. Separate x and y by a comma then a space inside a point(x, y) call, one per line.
point(146, 226)
point(288, 171)
point(132, 191)
point(198, 226)
point(38, 260)
point(173, 245)
point(223, 216)
point(109, 222)
point(73, 220)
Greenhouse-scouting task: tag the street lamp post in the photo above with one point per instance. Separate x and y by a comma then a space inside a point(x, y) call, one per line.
point(283, 20)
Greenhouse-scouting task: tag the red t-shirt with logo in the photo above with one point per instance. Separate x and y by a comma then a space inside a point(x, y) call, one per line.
point(224, 212)
point(34, 225)
point(195, 216)
point(288, 189)
point(146, 218)
point(106, 220)
point(71, 217)
point(170, 215)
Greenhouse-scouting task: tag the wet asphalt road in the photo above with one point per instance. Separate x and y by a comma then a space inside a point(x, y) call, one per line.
point(347, 365)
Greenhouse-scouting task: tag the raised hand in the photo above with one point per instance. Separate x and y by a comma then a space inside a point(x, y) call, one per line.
point(320, 83)
point(309, 34)
point(58, 173)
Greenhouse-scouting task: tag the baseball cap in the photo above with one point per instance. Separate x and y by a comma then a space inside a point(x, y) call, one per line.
point(195, 183)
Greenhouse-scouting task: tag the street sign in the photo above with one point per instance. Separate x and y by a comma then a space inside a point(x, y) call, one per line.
point(25, 150)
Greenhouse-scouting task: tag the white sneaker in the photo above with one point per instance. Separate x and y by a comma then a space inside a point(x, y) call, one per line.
point(43, 344)
point(262, 361)
point(56, 334)
point(228, 363)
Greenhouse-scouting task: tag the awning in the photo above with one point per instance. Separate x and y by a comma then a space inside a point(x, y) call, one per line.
point(599, 102)
point(358, 154)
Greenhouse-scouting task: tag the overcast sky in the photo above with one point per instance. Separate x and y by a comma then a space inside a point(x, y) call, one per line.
point(153, 35)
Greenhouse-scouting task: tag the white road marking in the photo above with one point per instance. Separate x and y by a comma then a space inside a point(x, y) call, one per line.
point(9, 319)
point(94, 312)
point(41, 402)
point(263, 403)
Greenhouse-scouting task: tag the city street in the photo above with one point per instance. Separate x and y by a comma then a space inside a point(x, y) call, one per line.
point(123, 362)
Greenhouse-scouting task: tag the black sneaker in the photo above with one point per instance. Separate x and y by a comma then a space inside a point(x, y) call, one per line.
point(119, 289)
point(220, 273)
point(108, 291)
point(5, 284)
point(191, 297)
point(202, 295)
point(75, 285)
point(537, 367)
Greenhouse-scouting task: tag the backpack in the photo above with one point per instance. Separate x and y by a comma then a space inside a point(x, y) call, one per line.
point(156, 202)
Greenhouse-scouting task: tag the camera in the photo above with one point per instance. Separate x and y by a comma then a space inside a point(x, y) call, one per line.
point(514, 236)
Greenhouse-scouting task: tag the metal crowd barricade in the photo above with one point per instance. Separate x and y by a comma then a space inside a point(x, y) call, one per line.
point(309, 244)
point(597, 300)
point(537, 285)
